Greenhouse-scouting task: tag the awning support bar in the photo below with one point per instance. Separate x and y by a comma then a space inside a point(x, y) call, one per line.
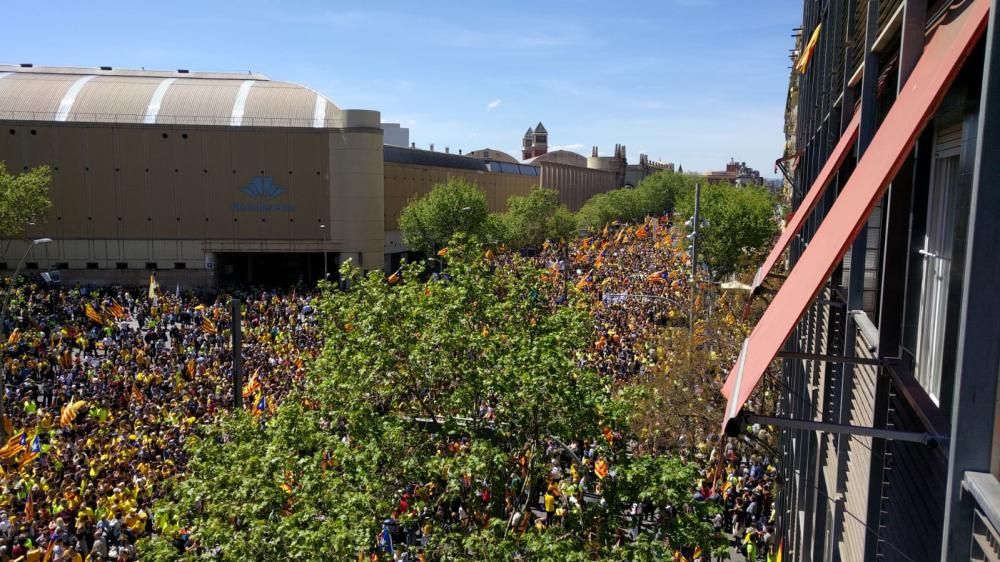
point(832, 358)
point(929, 439)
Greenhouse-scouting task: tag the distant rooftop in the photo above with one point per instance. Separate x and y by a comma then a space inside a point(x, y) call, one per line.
point(111, 71)
point(105, 94)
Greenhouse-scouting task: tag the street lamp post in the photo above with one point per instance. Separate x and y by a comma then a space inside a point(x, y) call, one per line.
point(3, 319)
point(695, 224)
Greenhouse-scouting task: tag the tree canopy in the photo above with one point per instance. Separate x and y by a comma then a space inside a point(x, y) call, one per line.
point(655, 195)
point(533, 218)
point(429, 398)
point(429, 222)
point(24, 199)
point(738, 225)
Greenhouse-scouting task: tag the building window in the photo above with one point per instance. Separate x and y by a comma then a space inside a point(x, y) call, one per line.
point(31, 265)
point(60, 265)
point(180, 265)
point(935, 255)
point(151, 265)
point(121, 265)
point(93, 265)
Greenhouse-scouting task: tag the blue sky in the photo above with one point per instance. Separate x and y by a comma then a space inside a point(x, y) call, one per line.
point(686, 81)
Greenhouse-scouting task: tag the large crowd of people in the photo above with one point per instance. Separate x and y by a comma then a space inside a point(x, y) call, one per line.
point(641, 280)
point(104, 386)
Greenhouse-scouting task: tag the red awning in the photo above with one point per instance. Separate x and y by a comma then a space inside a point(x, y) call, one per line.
point(943, 56)
point(805, 208)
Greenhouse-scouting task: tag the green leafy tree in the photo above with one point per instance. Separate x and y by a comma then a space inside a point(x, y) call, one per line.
point(655, 195)
point(24, 199)
point(453, 388)
point(662, 189)
point(533, 218)
point(429, 222)
point(740, 225)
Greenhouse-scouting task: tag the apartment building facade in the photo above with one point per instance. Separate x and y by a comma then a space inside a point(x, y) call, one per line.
point(884, 332)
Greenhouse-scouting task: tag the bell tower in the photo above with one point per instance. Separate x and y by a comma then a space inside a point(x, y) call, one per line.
point(535, 142)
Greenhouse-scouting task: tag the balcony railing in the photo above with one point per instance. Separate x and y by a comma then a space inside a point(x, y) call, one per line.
point(984, 490)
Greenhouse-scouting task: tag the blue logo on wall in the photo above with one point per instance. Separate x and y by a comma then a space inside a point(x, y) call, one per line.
point(262, 188)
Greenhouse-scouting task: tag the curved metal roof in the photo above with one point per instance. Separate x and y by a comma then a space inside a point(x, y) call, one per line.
point(159, 97)
point(492, 154)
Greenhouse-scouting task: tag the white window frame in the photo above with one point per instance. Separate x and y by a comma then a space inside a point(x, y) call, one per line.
point(936, 259)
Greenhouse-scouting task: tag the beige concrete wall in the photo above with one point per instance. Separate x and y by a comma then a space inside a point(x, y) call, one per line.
point(356, 183)
point(139, 194)
point(575, 184)
point(405, 182)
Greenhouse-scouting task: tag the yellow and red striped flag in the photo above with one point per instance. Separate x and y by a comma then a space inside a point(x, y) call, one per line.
point(117, 310)
point(803, 63)
point(601, 468)
point(93, 314)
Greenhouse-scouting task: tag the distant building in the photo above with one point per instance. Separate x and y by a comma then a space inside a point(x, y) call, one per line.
point(535, 142)
point(737, 173)
point(212, 178)
point(395, 135)
point(635, 173)
point(535, 151)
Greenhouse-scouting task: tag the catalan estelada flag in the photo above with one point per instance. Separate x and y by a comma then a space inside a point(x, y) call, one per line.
point(657, 277)
point(93, 314)
point(13, 447)
point(261, 406)
point(209, 326)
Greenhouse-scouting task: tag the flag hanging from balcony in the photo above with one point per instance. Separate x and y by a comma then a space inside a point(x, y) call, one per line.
point(804, 58)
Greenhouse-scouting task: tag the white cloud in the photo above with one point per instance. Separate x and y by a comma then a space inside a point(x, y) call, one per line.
point(493, 104)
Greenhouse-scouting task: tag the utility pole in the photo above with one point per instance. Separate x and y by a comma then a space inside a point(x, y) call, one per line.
point(694, 224)
point(237, 355)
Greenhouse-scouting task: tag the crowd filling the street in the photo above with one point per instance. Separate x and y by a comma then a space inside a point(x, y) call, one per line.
point(105, 386)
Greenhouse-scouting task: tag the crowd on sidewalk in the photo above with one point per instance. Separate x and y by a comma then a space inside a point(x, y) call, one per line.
point(105, 386)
